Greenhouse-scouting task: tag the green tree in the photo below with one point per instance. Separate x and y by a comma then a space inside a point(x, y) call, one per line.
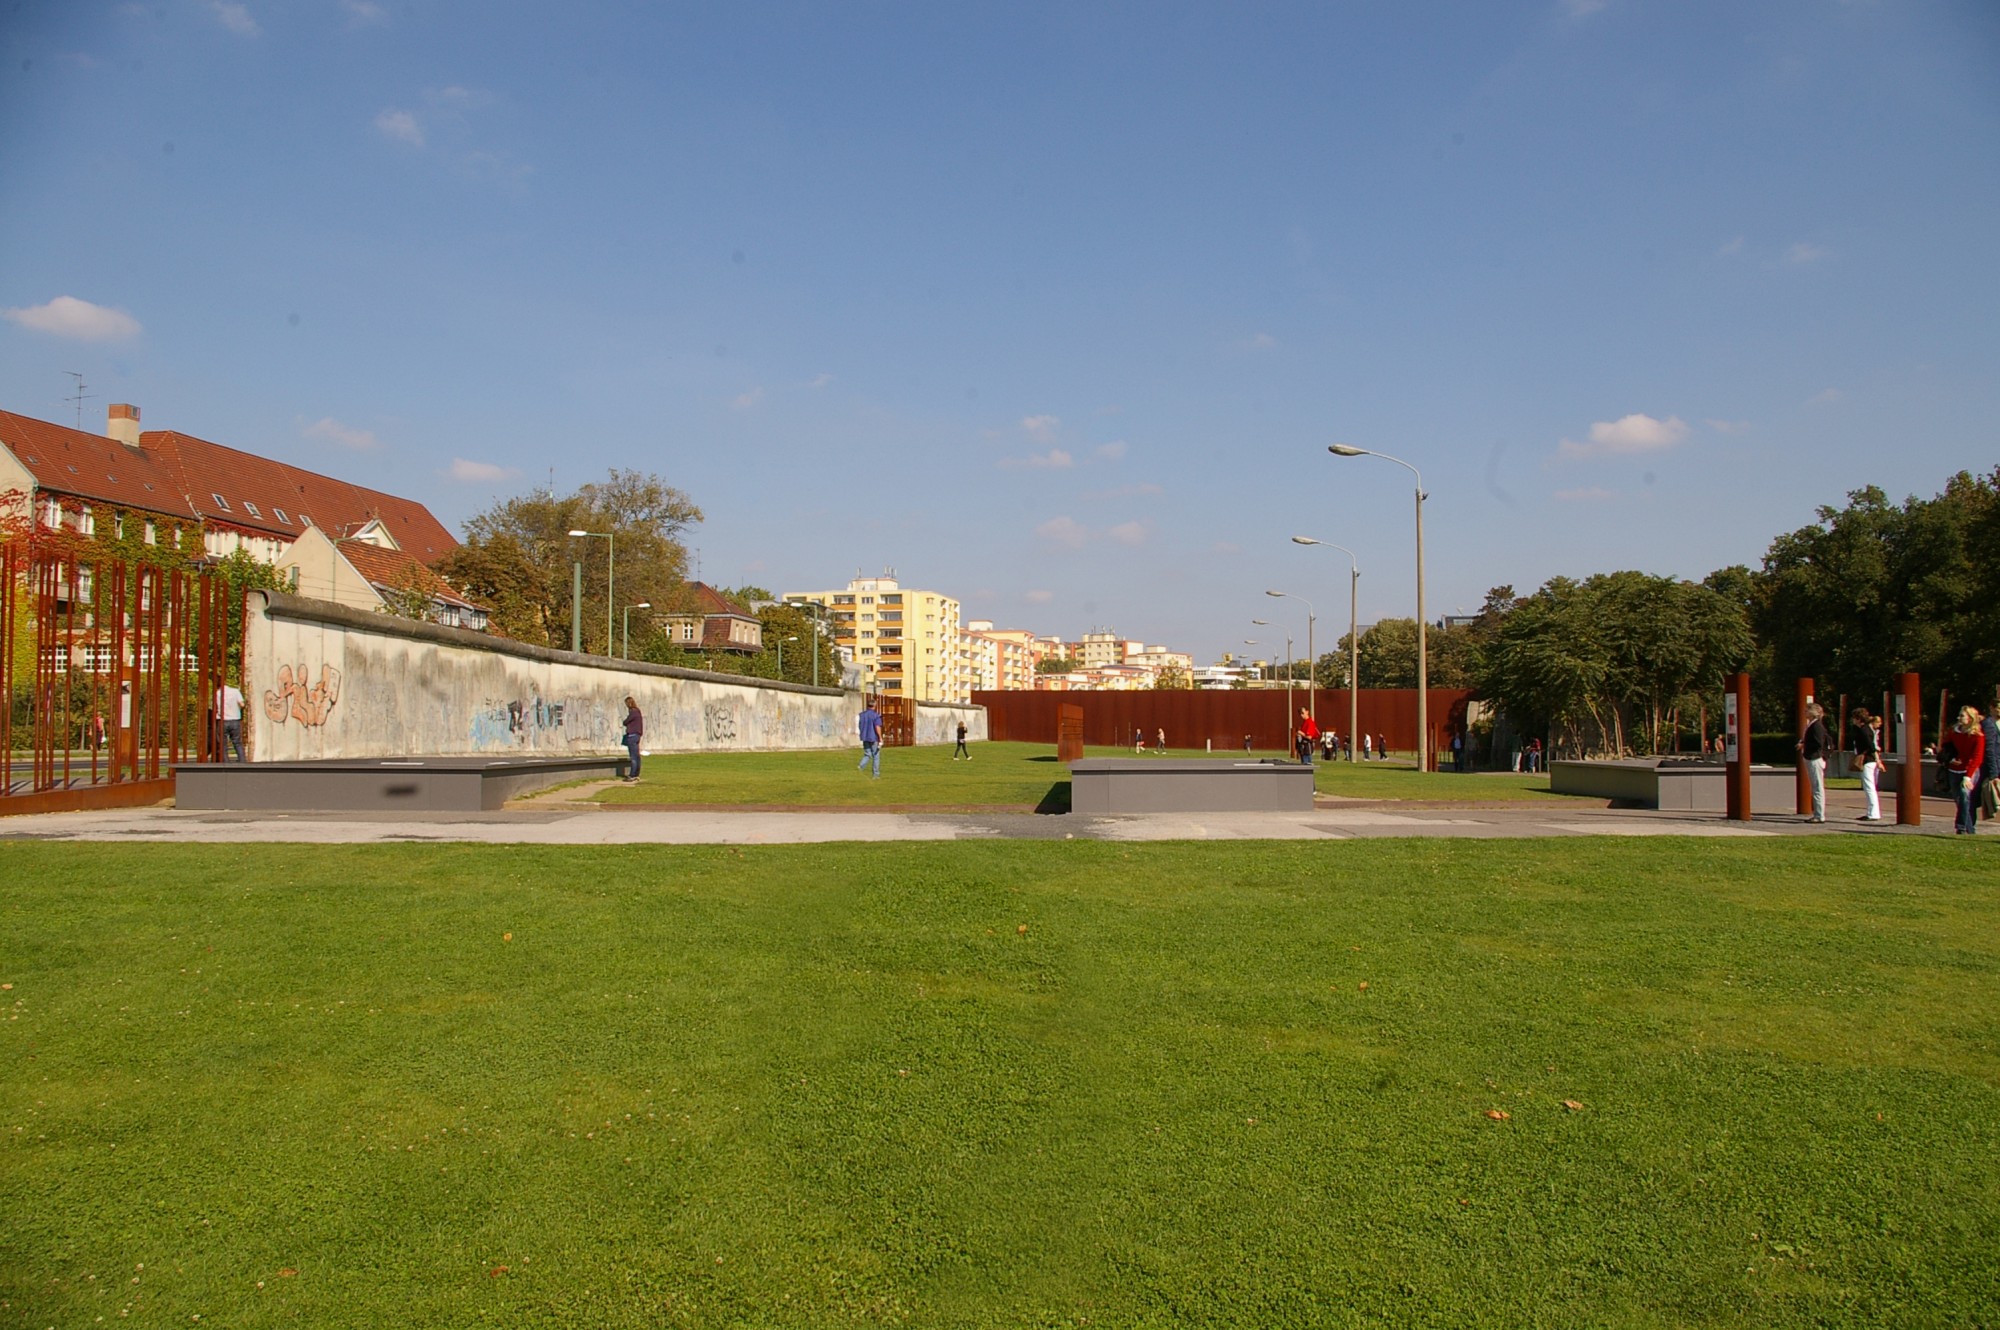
point(782, 623)
point(1172, 678)
point(1389, 654)
point(523, 549)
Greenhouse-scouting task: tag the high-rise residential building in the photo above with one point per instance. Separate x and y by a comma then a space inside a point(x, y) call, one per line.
point(906, 641)
point(1002, 657)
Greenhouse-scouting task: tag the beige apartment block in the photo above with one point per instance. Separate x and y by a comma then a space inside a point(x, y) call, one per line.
point(1002, 657)
point(907, 642)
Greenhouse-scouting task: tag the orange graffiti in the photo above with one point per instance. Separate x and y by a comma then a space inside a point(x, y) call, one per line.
point(308, 704)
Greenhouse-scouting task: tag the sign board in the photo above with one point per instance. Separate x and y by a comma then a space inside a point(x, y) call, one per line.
point(1730, 737)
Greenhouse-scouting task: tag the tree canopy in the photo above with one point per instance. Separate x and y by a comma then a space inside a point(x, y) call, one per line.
point(517, 557)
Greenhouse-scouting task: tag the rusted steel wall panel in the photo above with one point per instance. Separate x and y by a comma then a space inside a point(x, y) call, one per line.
point(1221, 718)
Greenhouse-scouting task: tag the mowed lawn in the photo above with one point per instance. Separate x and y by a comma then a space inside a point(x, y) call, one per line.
point(1412, 1083)
point(1000, 775)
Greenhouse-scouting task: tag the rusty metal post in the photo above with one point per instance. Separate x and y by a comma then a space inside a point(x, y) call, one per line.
point(1802, 783)
point(1736, 746)
point(1908, 723)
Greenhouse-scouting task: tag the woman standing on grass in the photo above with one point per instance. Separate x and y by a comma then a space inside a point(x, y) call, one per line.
point(1964, 755)
point(1867, 757)
point(635, 730)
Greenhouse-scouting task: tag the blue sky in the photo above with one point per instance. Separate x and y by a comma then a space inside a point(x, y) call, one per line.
point(1051, 307)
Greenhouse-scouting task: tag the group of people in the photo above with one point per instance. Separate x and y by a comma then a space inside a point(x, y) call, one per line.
point(1308, 738)
point(1968, 761)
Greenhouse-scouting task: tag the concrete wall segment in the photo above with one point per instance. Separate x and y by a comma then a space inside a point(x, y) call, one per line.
point(327, 681)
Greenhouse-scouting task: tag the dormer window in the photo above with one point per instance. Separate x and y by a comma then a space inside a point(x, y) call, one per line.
point(251, 508)
point(305, 519)
point(279, 513)
point(220, 502)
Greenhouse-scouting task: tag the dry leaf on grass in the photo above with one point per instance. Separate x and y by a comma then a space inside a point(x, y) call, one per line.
point(1572, 1106)
point(1498, 1114)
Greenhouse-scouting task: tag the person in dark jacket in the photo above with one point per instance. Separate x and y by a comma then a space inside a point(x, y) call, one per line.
point(1868, 761)
point(635, 730)
point(1812, 746)
point(1989, 772)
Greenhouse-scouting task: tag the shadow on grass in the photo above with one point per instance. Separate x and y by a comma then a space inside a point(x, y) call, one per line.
point(1050, 757)
point(1056, 800)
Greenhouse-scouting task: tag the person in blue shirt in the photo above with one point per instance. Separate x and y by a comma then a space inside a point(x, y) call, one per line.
point(871, 739)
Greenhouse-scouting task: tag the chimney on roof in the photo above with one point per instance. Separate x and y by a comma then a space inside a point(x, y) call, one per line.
point(124, 424)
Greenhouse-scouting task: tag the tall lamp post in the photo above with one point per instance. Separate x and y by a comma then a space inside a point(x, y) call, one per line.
point(1312, 661)
point(1266, 623)
point(1353, 639)
point(642, 605)
point(610, 557)
point(819, 630)
point(781, 654)
point(1423, 660)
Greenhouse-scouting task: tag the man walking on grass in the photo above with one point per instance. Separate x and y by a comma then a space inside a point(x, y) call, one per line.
point(871, 740)
point(961, 750)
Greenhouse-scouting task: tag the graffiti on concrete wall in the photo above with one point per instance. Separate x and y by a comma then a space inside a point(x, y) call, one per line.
point(719, 722)
point(526, 722)
point(295, 698)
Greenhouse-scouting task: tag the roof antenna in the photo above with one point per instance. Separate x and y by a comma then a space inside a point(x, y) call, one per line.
point(80, 396)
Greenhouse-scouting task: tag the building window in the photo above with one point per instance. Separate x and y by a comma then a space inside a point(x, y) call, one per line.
point(305, 519)
point(220, 502)
point(251, 508)
point(279, 513)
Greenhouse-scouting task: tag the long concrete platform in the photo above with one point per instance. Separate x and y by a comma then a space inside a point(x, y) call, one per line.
point(379, 784)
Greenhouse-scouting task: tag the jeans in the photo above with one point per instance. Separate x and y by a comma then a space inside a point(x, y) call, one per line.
point(1870, 773)
point(1965, 794)
point(871, 753)
point(1816, 776)
point(632, 747)
point(232, 737)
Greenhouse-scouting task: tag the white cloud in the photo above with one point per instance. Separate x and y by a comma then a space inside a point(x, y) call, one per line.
point(234, 17)
point(1128, 533)
point(1732, 246)
point(1113, 451)
point(362, 12)
point(1807, 252)
point(462, 469)
point(1589, 494)
point(1064, 532)
point(1263, 341)
point(1626, 437)
point(1038, 597)
point(1041, 428)
point(1055, 459)
point(820, 380)
point(66, 316)
point(744, 401)
point(347, 436)
point(1727, 426)
point(401, 126)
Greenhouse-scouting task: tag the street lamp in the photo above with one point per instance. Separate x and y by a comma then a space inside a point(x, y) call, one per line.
point(1266, 623)
point(1312, 661)
point(642, 605)
point(1353, 640)
point(610, 557)
point(1423, 660)
point(781, 653)
point(819, 631)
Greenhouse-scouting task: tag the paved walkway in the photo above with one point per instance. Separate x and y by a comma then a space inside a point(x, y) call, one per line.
point(544, 823)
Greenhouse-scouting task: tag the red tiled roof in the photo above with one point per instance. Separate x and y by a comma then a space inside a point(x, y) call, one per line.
point(707, 600)
point(257, 489)
point(391, 570)
point(91, 466)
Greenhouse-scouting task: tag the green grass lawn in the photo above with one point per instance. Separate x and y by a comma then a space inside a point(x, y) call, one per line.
point(998, 1084)
point(1000, 775)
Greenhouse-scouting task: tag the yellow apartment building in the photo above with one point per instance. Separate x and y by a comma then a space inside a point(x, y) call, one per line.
point(907, 642)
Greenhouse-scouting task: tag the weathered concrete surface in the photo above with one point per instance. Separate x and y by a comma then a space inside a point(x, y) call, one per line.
point(326, 681)
point(1170, 785)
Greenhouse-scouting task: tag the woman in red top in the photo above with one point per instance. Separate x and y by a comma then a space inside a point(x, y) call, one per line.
point(1963, 753)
